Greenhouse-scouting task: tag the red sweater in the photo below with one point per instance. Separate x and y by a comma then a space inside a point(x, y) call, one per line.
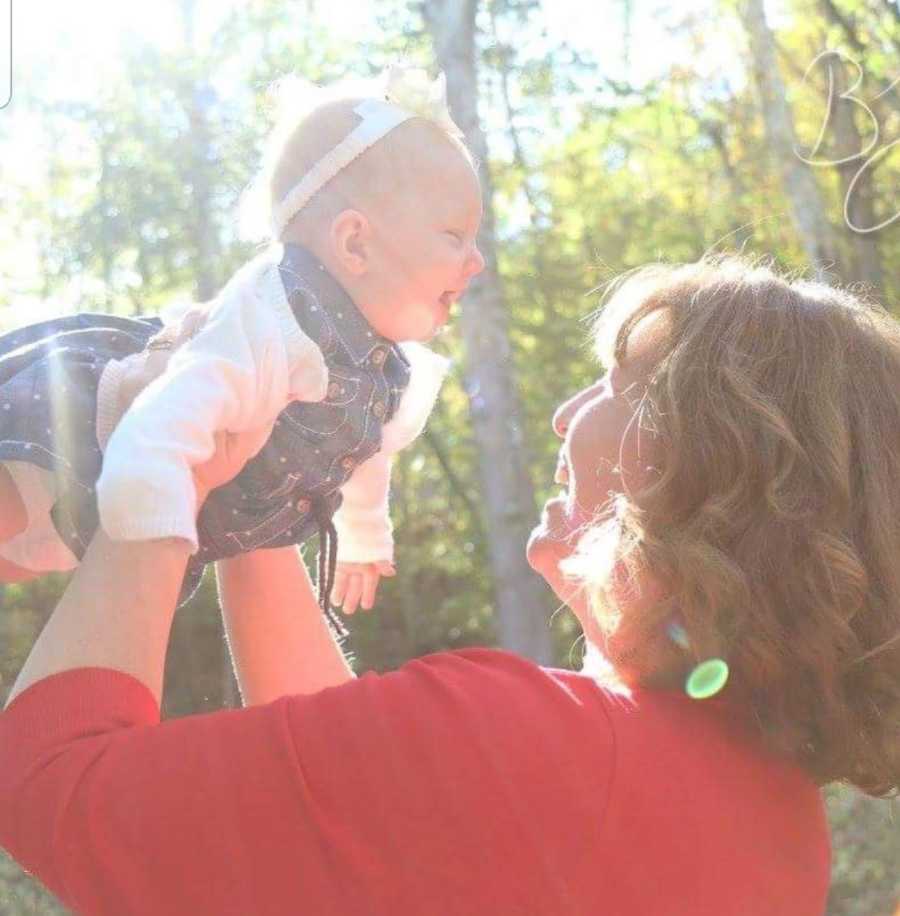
point(465, 783)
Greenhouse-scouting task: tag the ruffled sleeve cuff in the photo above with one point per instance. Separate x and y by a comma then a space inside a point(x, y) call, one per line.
point(427, 373)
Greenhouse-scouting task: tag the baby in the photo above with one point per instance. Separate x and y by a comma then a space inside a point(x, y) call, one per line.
point(374, 207)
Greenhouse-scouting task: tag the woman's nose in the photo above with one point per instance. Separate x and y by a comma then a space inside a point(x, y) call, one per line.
point(564, 413)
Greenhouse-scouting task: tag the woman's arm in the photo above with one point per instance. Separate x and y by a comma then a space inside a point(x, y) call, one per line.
point(280, 643)
point(118, 607)
point(116, 613)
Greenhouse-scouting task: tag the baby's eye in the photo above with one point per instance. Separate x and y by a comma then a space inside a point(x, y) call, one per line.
point(457, 236)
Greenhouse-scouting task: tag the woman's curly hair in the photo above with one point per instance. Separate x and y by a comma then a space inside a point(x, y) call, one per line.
point(774, 519)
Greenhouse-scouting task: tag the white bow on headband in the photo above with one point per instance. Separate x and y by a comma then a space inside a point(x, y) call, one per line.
point(410, 89)
point(408, 93)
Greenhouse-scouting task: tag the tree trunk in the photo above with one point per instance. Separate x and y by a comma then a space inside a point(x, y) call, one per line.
point(860, 206)
point(848, 24)
point(507, 491)
point(806, 202)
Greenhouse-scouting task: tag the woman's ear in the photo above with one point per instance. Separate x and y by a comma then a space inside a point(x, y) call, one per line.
point(350, 235)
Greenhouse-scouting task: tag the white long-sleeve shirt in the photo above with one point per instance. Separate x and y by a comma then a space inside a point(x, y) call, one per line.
point(246, 364)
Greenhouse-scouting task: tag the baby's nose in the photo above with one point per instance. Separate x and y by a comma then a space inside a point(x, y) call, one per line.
point(564, 413)
point(476, 262)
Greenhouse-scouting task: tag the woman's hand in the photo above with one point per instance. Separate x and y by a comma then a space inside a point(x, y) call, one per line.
point(233, 451)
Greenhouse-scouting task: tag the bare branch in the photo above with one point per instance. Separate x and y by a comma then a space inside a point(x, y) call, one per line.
point(457, 487)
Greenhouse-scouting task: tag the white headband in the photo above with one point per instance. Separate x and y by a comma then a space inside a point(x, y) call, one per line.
point(409, 94)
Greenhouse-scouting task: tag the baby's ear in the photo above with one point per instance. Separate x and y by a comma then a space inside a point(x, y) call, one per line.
point(350, 234)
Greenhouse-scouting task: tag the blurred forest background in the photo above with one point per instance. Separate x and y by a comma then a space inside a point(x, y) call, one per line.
point(610, 133)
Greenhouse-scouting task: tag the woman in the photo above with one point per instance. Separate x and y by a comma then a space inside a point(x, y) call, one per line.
point(730, 494)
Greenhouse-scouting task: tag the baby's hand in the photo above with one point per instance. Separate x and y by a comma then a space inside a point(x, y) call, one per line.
point(355, 584)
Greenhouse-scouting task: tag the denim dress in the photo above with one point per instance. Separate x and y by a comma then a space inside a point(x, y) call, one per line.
point(49, 374)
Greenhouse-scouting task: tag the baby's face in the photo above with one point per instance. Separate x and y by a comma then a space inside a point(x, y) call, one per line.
point(424, 250)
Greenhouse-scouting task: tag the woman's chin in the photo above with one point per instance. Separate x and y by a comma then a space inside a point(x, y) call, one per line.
point(542, 551)
point(532, 548)
point(544, 554)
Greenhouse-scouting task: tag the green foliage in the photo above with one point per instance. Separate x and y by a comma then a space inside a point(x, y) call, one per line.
point(20, 895)
point(866, 850)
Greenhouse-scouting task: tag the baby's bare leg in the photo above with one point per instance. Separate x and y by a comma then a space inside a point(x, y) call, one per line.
point(13, 516)
point(9, 572)
point(13, 521)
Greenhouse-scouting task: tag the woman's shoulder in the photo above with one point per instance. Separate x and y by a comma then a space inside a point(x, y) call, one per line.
point(490, 673)
point(478, 700)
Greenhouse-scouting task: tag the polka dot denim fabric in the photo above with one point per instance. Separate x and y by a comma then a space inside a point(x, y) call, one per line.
point(48, 405)
point(280, 497)
point(49, 373)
